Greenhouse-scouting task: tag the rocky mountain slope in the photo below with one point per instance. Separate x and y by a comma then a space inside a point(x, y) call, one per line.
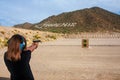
point(93, 19)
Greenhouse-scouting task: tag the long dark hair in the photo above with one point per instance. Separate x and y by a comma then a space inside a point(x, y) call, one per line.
point(14, 51)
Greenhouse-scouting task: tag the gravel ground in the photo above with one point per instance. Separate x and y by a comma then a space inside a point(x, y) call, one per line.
point(64, 59)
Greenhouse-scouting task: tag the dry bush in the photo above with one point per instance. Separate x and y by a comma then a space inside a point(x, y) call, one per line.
point(2, 32)
point(51, 36)
point(37, 36)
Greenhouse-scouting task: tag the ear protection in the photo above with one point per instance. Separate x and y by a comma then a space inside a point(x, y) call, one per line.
point(22, 44)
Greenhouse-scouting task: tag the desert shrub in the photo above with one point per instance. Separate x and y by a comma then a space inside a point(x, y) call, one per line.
point(51, 36)
point(12, 31)
point(26, 33)
point(2, 32)
point(0, 41)
point(36, 36)
point(37, 32)
point(15, 30)
point(18, 31)
point(30, 32)
point(5, 42)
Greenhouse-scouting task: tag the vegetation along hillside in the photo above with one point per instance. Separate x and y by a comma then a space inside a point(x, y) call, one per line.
point(93, 19)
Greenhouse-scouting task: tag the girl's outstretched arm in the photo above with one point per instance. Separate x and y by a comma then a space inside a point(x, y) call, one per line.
point(33, 46)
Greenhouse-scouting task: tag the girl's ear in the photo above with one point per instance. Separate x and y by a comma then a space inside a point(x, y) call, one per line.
point(22, 44)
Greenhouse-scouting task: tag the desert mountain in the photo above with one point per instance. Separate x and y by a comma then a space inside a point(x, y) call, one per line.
point(26, 25)
point(93, 19)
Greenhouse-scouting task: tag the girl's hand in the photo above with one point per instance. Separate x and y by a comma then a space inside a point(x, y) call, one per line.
point(33, 46)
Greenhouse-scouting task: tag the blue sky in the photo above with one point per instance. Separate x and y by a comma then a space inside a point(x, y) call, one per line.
point(19, 11)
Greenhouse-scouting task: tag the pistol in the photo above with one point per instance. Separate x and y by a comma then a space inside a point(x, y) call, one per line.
point(37, 41)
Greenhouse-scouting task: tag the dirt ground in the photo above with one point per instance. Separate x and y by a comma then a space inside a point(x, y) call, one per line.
point(66, 60)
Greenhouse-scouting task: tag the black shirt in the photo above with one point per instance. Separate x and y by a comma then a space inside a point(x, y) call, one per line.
point(20, 70)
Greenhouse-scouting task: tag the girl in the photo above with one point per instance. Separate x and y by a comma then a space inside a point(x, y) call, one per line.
point(17, 58)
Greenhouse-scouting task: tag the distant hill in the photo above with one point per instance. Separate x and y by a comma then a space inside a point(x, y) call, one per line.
point(93, 19)
point(26, 25)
